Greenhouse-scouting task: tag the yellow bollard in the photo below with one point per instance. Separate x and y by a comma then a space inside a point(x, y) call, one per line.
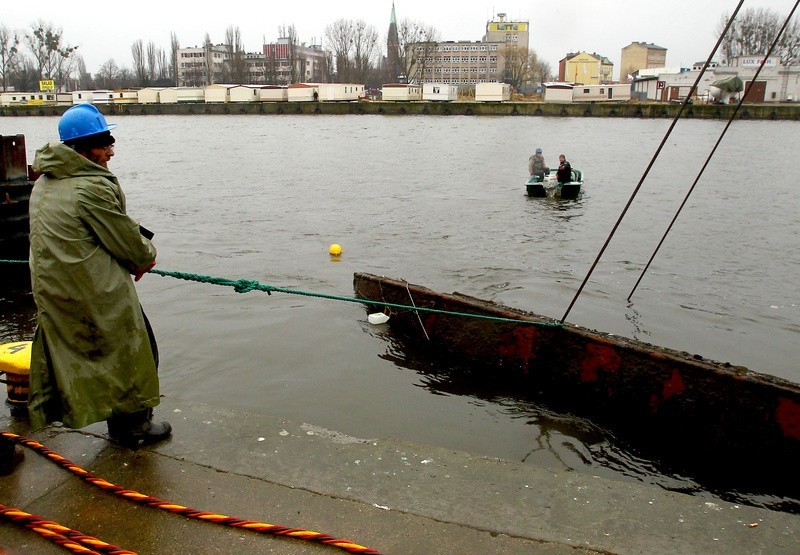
point(15, 362)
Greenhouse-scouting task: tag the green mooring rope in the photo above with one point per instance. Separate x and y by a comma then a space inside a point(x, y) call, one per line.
point(246, 285)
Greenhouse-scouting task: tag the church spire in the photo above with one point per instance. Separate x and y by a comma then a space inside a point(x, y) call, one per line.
point(393, 49)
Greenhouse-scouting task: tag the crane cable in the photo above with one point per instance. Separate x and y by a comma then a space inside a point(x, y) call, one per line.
point(713, 150)
point(652, 160)
point(149, 501)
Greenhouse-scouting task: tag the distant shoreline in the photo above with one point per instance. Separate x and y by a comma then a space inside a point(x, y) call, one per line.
point(775, 111)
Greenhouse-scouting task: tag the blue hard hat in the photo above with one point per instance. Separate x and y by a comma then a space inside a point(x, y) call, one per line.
point(81, 121)
point(538, 151)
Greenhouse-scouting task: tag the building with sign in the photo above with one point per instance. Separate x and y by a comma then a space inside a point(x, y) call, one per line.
point(775, 83)
point(27, 99)
point(585, 69)
point(466, 63)
point(515, 34)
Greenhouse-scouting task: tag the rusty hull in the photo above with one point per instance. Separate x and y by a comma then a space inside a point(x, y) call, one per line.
point(679, 404)
point(16, 183)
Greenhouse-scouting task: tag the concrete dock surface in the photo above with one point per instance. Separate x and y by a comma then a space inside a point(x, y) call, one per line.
point(391, 496)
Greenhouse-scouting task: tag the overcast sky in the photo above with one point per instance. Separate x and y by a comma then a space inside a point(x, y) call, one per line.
point(687, 29)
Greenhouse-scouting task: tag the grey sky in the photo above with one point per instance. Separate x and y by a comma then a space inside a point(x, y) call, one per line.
point(102, 31)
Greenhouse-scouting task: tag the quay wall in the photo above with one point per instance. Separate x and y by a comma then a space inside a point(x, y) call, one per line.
point(540, 109)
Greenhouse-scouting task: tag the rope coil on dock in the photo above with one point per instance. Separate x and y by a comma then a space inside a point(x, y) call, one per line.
point(67, 538)
point(70, 538)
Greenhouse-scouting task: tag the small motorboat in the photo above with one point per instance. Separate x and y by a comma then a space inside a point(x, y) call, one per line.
point(548, 185)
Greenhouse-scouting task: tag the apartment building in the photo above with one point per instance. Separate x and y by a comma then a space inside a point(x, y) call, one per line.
point(516, 34)
point(287, 63)
point(640, 55)
point(467, 63)
point(585, 69)
point(278, 63)
point(201, 65)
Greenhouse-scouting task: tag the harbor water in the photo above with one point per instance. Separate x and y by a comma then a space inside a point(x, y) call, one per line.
point(440, 201)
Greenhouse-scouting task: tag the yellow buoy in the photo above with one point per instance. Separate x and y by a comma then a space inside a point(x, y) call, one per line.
point(335, 250)
point(15, 362)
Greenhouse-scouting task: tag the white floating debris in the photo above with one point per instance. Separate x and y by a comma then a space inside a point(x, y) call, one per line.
point(283, 433)
point(262, 439)
point(378, 318)
point(384, 507)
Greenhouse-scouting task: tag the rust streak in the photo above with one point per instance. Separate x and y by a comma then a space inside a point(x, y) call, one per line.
point(522, 345)
point(788, 416)
point(674, 385)
point(598, 358)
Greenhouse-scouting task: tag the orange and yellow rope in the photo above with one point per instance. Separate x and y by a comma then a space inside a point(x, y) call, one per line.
point(55, 531)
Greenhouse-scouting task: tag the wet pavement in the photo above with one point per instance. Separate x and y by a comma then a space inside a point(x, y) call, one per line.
point(387, 495)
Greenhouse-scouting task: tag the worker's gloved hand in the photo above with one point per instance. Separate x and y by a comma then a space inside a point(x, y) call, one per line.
point(139, 272)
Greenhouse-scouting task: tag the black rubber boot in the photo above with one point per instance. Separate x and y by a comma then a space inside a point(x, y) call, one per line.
point(10, 455)
point(137, 428)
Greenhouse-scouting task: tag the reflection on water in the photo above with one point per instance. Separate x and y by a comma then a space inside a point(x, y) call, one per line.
point(637, 332)
point(17, 309)
point(564, 441)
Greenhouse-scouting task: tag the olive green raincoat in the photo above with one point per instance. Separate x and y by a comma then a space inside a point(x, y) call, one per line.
point(91, 354)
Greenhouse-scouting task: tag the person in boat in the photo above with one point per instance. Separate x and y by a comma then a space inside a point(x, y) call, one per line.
point(93, 356)
point(536, 165)
point(564, 173)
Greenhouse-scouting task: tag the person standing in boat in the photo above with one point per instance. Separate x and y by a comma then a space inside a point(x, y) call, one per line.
point(536, 165)
point(93, 356)
point(564, 173)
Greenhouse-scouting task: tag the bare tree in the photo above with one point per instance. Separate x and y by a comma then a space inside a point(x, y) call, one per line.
point(355, 46)
point(174, 46)
point(108, 76)
point(25, 76)
point(517, 65)
point(83, 79)
point(209, 60)
point(125, 79)
point(541, 70)
point(139, 64)
point(152, 61)
point(417, 43)
point(9, 43)
point(52, 58)
point(162, 68)
point(753, 32)
point(338, 39)
point(327, 70)
point(235, 69)
point(365, 50)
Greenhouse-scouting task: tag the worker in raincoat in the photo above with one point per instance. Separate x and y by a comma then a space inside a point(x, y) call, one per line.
point(93, 355)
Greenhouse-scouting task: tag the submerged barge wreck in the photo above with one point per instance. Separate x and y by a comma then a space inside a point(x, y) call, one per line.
point(709, 419)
